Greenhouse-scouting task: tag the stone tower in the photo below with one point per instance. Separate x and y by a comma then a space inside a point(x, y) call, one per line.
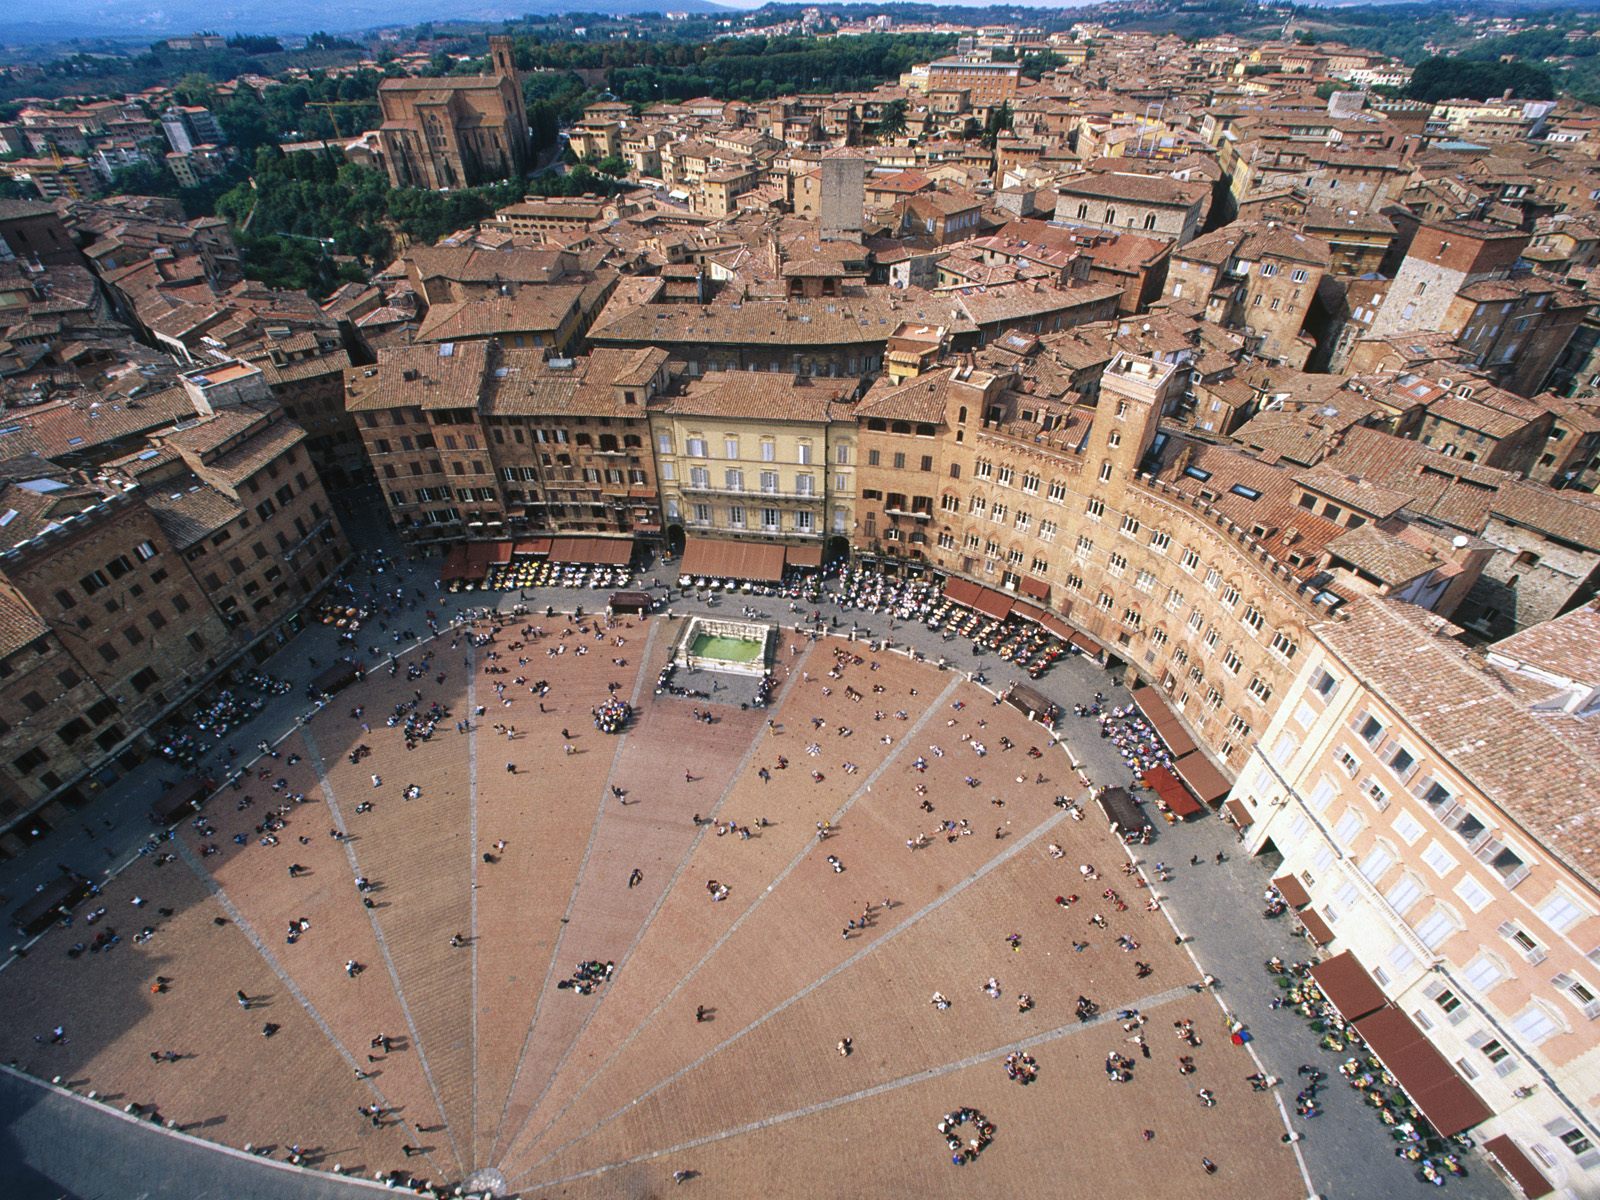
point(504, 62)
point(1133, 393)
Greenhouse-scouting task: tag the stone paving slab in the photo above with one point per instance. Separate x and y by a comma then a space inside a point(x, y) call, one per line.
point(255, 881)
point(1070, 1135)
point(232, 1084)
point(791, 804)
point(502, 1069)
point(607, 916)
point(786, 945)
point(951, 943)
point(544, 817)
point(689, 925)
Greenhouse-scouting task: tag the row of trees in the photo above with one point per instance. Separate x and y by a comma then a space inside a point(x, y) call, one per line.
point(761, 68)
point(1444, 78)
point(297, 212)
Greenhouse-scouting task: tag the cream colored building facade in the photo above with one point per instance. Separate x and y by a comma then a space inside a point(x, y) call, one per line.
point(750, 455)
point(1437, 806)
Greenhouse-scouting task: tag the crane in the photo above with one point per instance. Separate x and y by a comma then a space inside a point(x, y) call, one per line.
point(333, 116)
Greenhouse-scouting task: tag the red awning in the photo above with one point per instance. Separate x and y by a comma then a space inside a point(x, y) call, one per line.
point(1425, 1074)
point(1026, 611)
point(1241, 815)
point(1202, 776)
point(1292, 890)
point(1056, 626)
point(992, 603)
point(1037, 588)
point(1166, 785)
point(1087, 644)
point(962, 591)
point(1157, 712)
point(1345, 982)
point(711, 558)
point(532, 546)
point(1519, 1166)
point(1321, 932)
point(803, 556)
point(605, 552)
point(482, 555)
point(455, 565)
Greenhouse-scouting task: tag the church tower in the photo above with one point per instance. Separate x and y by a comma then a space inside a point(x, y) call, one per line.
point(505, 64)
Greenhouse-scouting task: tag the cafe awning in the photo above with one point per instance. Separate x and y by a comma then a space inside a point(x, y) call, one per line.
point(536, 546)
point(1202, 776)
point(992, 603)
point(809, 556)
point(1026, 611)
point(1056, 626)
point(1037, 588)
point(1425, 1074)
point(1172, 792)
point(711, 558)
point(1321, 932)
point(1240, 813)
point(1345, 982)
point(1155, 709)
point(962, 591)
point(487, 554)
point(1519, 1166)
point(455, 565)
point(1087, 644)
point(1292, 890)
point(603, 552)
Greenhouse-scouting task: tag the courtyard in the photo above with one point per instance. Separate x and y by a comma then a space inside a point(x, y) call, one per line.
point(498, 859)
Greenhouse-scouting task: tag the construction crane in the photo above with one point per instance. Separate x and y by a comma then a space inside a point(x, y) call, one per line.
point(333, 116)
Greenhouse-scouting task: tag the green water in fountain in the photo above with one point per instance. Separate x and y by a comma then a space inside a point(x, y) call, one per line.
point(728, 649)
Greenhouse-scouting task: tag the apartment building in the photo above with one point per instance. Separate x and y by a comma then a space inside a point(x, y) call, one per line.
point(481, 441)
point(1433, 810)
point(1259, 277)
point(1154, 205)
point(985, 81)
point(753, 457)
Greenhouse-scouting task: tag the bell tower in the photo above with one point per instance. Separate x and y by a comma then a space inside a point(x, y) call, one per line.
point(505, 63)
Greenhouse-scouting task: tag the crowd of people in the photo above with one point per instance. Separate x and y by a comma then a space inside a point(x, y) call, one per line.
point(612, 715)
point(963, 1151)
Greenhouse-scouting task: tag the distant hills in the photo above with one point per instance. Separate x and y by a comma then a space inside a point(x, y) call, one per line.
point(57, 20)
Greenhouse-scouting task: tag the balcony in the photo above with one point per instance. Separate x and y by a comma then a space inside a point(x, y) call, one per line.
point(748, 493)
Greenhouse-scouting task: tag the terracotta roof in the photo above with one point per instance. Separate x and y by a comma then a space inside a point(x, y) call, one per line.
point(1539, 768)
point(191, 511)
point(537, 309)
point(441, 376)
point(1382, 555)
point(19, 625)
point(921, 399)
point(1138, 189)
point(753, 394)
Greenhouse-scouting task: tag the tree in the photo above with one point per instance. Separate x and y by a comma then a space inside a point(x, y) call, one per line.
point(193, 88)
point(1447, 76)
point(999, 122)
point(250, 43)
point(892, 121)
